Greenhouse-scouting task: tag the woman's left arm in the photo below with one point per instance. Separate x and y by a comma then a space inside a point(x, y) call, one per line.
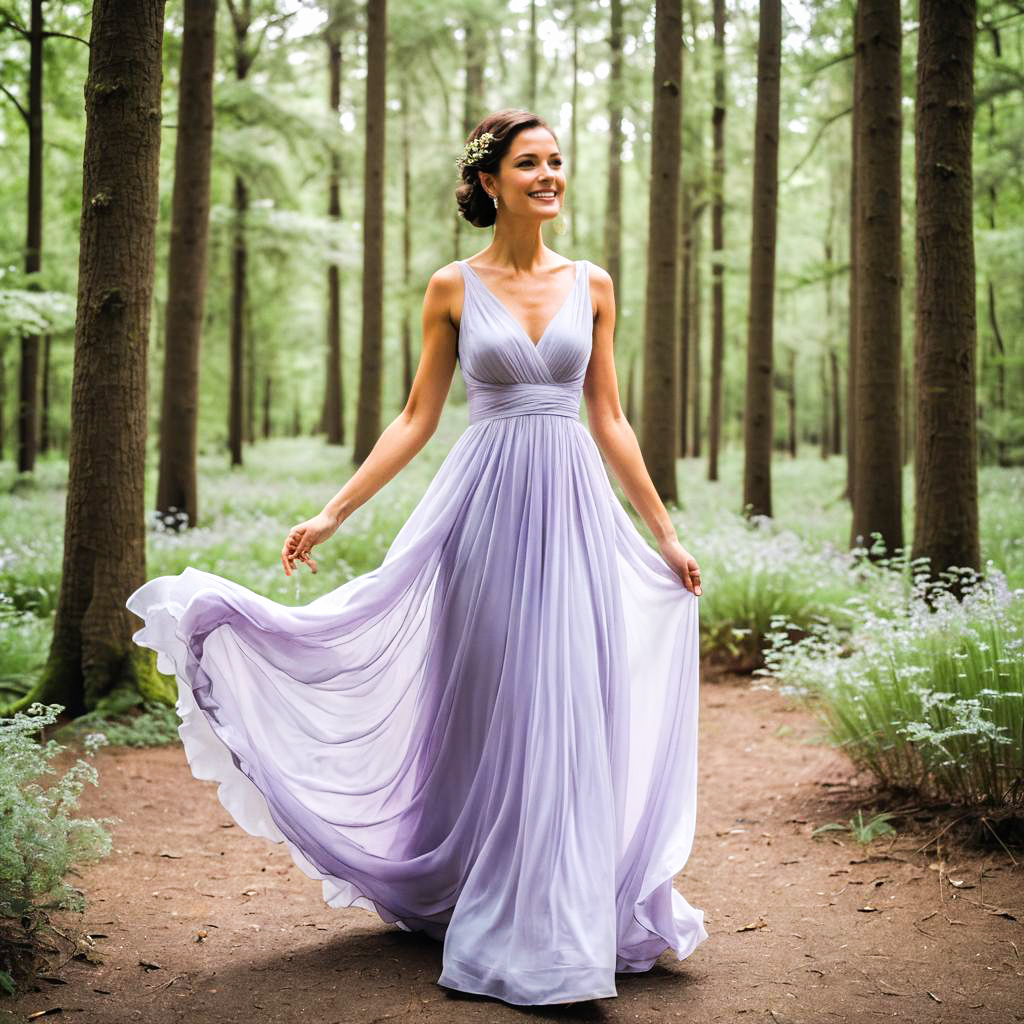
point(617, 440)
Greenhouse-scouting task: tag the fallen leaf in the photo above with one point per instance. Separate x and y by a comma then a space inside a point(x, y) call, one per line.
point(759, 923)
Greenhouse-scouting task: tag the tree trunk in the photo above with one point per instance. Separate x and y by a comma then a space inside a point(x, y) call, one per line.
point(945, 456)
point(177, 485)
point(837, 413)
point(28, 378)
point(758, 417)
point(659, 415)
point(877, 502)
point(368, 412)
point(239, 257)
point(855, 275)
point(334, 414)
point(613, 200)
point(693, 371)
point(685, 320)
point(472, 101)
point(791, 403)
point(574, 128)
point(45, 432)
point(92, 655)
point(266, 406)
point(407, 359)
point(241, 22)
point(717, 244)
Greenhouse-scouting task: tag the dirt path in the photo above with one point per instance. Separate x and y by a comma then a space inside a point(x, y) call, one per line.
point(197, 921)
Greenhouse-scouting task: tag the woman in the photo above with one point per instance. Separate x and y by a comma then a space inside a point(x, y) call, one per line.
point(492, 737)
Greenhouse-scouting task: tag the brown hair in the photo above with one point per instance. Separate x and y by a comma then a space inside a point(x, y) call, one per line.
point(475, 204)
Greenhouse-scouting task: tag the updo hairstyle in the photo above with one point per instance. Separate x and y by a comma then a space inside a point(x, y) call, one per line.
point(475, 205)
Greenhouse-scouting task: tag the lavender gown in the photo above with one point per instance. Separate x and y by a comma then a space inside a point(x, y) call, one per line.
point(491, 737)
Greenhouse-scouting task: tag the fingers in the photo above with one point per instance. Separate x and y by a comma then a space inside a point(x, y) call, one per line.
point(291, 552)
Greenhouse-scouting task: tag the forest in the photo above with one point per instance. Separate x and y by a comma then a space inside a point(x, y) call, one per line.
point(218, 223)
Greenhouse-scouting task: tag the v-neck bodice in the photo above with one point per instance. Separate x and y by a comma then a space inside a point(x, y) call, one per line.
point(504, 307)
point(505, 371)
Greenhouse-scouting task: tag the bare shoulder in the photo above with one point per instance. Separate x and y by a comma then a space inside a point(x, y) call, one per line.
point(443, 297)
point(602, 288)
point(446, 280)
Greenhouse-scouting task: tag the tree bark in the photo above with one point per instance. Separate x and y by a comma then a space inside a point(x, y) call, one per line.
point(334, 413)
point(945, 453)
point(407, 359)
point(758, 418)
point(613, 199)
point(855, 273)
point(28, 378)
point(241, 23)
point(177, 483)
point(369, 404)
point(877, 504)
point(717, 244)
point(661, 398)
point(92, 655)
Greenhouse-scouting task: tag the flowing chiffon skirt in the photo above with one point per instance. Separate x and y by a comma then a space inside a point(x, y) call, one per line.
point(491, 737)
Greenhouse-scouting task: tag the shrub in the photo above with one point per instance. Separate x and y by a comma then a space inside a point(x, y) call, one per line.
point(40, 840)
point(927, 692)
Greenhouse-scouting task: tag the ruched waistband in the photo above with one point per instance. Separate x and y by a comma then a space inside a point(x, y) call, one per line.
point(490, 402)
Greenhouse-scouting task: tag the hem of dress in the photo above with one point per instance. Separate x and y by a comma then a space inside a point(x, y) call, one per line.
point(210, 759)
point(480, 980)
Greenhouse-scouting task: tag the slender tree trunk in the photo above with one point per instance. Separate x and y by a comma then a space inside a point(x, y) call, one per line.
point(661, 397)
point(472, 100)
point(877, 505)
point(853, 331)
point(837, 414)
point(334, 413)
point(613, 200)
point(28, 379)
point(824, 439)
point(685, 320)
point(630, 403)
point(407, 357)
point(92, 655)
point(717, 244)
point(45, 432)
point(531, 85)
point(369, 405)
point(177, 483)
point(758, 417)
point(244, 53)
point(239, 258)
point(693, 373)
point(574, 239)
point(267, 382)
point(791, 403)
point(945, 457)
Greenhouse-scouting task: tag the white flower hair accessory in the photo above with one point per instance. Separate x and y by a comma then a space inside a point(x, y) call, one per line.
point(475, 150)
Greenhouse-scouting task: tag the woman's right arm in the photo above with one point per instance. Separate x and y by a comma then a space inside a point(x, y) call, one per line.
point(416, 423)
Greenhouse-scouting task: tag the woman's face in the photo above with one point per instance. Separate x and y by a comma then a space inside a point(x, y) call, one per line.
point(532, 164)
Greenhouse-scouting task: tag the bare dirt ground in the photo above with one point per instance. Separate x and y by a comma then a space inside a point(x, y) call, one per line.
point(191, 919)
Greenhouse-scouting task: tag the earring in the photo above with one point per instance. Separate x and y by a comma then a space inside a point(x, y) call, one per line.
point(495, 198)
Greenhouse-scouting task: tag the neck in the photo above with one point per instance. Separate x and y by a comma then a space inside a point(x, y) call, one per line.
point(518, 244)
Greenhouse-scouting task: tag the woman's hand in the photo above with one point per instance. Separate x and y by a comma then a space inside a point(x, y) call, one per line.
point(684, 564)
point(303, 537)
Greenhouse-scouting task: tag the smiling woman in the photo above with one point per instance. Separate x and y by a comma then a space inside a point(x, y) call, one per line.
point(492, 737)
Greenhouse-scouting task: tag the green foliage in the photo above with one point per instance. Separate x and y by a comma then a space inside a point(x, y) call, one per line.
point(41, 841)
point(29, 312)
point(138, 723)
point(864, 832)
point(926, 692)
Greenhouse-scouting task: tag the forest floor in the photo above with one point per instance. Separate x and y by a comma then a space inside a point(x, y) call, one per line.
point(191, 919)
